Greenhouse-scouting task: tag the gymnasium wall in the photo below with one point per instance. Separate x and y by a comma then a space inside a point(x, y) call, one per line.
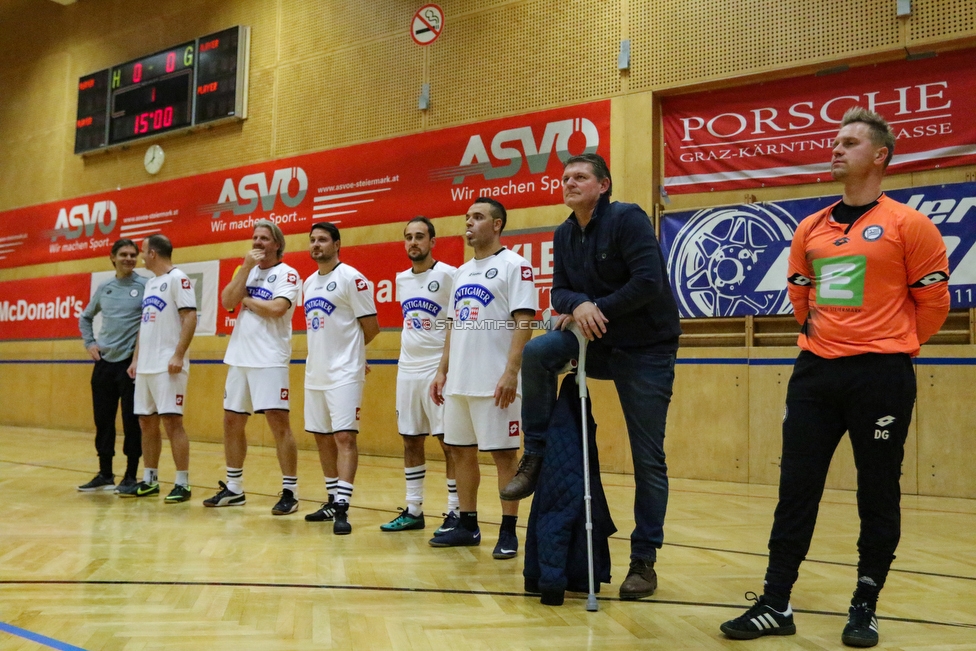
point(329, 74)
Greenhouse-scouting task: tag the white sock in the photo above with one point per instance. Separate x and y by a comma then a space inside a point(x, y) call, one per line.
point(291, 484)
point(183, 478)
point(343, 492)
point(331, 484)
point(150, 475)
point(415, 488)
point(453, 505)
point(235, 480)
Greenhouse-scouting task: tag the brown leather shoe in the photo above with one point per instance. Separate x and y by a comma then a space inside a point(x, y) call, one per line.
point(641, 580)
point(524, 481)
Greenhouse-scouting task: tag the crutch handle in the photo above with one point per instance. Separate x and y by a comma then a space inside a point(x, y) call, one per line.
point(581, 363)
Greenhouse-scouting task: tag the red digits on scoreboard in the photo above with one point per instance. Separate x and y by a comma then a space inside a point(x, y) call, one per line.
point(153, 120)
point(137, 73)
point(171, 62)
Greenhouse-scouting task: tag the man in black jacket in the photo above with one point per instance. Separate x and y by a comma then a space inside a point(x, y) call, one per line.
point(609, 277)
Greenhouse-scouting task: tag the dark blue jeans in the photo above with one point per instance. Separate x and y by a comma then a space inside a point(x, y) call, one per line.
point(643, 381)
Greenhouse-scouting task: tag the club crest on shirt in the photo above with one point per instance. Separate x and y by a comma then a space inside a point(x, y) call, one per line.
point(163, 287)
point(272, 278)
point(330, 287)
point(433, 286)
point(491, 273)
point(872, 233)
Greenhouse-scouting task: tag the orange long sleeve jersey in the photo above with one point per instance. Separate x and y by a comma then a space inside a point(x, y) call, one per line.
point(879, 285)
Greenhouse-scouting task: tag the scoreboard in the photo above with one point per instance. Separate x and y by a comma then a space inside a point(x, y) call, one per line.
point(203, 81)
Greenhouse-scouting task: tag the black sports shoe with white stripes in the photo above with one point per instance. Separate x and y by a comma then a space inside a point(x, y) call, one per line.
point(759, 620)
point(862, 627)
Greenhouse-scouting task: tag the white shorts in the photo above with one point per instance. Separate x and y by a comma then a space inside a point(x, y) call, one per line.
point(328, 411)
point(160, 393)
point(256, 390)
point(477, 421)
point(417, 414)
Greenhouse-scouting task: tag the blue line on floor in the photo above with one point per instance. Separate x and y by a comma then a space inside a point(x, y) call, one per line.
point(37, 637)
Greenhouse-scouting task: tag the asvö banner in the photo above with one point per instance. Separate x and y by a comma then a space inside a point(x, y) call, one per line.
point(517, 160)
point(732, 260)
point(781, 132)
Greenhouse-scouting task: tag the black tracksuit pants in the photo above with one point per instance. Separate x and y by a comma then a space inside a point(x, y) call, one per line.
point(111, 384)
point(870, 396)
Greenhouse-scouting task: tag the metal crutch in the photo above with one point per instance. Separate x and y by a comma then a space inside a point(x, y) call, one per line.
point(591, 604)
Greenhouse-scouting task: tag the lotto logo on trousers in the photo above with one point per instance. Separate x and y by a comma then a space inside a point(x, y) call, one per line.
point(513, 428)
point(284, 394)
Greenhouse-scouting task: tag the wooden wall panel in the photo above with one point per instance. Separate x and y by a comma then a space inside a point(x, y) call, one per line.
point(681, 41)
point(708, 424)
point(946, 425)
point(364, 93)
point(524, 56)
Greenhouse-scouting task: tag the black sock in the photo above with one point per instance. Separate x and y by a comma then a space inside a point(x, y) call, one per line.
point(777, 597)
point(469, 520)
point(131, 467)
point(105, 466)
point(508, 523)
point(867, 592)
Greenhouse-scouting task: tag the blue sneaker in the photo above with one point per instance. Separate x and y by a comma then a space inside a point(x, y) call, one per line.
point(457, 537)
point(451, 521)
point(507, 546)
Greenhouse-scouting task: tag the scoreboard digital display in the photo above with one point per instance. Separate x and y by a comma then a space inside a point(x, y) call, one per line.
point(190, 84)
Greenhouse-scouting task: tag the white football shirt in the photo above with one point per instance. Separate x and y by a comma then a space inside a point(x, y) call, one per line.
point(425, 299)
point(485, 294)
point(336, 347)
point(159, 332)
point(259, 342)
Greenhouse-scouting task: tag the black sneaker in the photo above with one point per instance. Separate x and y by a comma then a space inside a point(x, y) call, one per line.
point(287, 504)
point(759, 620)
point(862, 627)
point(451, 521)
point(325, 514)
point(507, 546)
point(99, 483)
point(178, 494)
point(457, 537)
point(341, 526)
point(225, 497)
point(127, 487)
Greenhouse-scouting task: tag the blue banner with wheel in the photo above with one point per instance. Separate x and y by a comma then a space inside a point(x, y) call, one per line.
point(732, 260)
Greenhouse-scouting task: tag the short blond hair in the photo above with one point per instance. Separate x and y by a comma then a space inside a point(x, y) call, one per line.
point(881, 133)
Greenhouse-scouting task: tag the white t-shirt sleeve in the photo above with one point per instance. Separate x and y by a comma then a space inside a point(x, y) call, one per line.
point(521, 288)
point(186, 298)
point(288, 285)
point(361, 297)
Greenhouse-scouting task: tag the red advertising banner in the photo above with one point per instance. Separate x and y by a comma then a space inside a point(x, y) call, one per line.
point(516, 160)
point(536, 247)
point(380, 263)
point(43, 308)
point(781, 133)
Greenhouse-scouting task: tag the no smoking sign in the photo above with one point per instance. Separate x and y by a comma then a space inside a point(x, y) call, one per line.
point(427, 24)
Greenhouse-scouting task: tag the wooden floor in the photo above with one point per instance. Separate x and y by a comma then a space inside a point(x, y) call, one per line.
point(100, 573)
